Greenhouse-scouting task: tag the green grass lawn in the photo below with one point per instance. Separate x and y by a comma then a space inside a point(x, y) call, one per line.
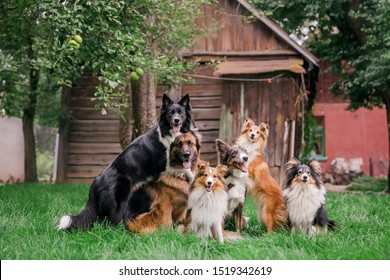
point(29, 215)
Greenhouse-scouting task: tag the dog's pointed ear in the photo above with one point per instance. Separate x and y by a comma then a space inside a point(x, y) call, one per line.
point(315, 166)
point(222, 147)
point(185, 101)
point(291, 164)
point(222, 150)
point(166, 101)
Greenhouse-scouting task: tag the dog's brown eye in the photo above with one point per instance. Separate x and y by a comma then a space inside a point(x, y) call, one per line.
point(205, 175)
point(190, 143)
point(258, 132)
point(250, 130)
point(178, 144)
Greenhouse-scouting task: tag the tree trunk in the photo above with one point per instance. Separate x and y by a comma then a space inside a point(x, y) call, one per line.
point(126, 119)
point(144, 104)
point(30, 157)
point(387, 103)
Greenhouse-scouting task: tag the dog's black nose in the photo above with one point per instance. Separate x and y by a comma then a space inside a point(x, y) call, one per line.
point(252, 136)
point(186, 155)
point(304, 177)
point(176, 120)
point(245, 158)
point(209, 183)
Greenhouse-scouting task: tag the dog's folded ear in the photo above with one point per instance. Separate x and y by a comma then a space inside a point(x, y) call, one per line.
point(264, 126)
point(222, 170)
point(202, 165)
point(248, 122)
point(198, 136)
point(315, 166)
point(291, 164)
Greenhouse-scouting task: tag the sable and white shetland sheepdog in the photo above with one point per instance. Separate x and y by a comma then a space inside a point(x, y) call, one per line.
point(171, 190)
point(236, 159)
point(265, 191)
point(305, 198)
point(208, 202)
point(116, 194)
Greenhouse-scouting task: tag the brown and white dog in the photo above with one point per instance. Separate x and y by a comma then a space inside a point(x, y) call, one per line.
point(172, 189)
point(265, 191)
point(236, 159)
point(208, 202)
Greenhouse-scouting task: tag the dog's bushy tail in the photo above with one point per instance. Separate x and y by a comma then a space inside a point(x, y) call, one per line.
point(332, 225)
point(84, 220)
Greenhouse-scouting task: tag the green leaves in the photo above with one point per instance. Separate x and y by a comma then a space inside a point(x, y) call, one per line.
point(353, 33)
point(116, 36)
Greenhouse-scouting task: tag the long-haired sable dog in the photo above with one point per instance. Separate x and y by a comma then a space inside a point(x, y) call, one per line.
point(208, 202)
point(265, 191)
point(236, 159)
point(305, 198)
point(111, 195)
point(171, 190)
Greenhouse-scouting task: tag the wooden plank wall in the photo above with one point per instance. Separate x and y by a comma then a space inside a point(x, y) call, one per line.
point(274, 103)
point(93, 138)
point(206, 101)
point(237, 30)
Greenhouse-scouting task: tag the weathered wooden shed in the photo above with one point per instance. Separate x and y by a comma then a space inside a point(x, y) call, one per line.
point(261, 73)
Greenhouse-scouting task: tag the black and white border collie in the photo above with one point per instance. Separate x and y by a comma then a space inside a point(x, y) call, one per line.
point(115, 195)
point(305, 198)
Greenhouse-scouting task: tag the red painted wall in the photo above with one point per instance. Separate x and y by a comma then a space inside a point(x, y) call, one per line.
point(355, 134)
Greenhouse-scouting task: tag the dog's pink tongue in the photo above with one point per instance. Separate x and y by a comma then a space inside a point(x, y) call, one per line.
point(176, 128)
point(186, 165)
point(244, 167)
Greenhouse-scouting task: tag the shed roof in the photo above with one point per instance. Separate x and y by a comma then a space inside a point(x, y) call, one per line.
point(280, 33)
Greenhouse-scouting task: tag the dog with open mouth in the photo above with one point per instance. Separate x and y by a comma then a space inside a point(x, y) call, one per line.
point(236, 159)
point(118, 193)
point(207, 202)
point(172, 189)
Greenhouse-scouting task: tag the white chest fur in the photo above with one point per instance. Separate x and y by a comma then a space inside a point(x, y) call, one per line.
point(236, 194)
point(253, 149)
point(167, 140)
point(302, 203)
point(207, 210)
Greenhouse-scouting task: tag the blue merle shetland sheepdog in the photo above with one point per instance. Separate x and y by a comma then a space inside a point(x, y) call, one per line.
point(305, 198)
point(116, 194)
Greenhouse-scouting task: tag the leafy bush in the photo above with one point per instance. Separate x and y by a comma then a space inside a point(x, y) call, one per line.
point(45, 165)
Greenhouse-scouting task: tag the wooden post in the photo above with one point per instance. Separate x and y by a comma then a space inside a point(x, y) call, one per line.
point(62, 156)
point(285, 152)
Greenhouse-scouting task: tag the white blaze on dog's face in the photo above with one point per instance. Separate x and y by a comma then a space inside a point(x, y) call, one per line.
point(210, 177)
